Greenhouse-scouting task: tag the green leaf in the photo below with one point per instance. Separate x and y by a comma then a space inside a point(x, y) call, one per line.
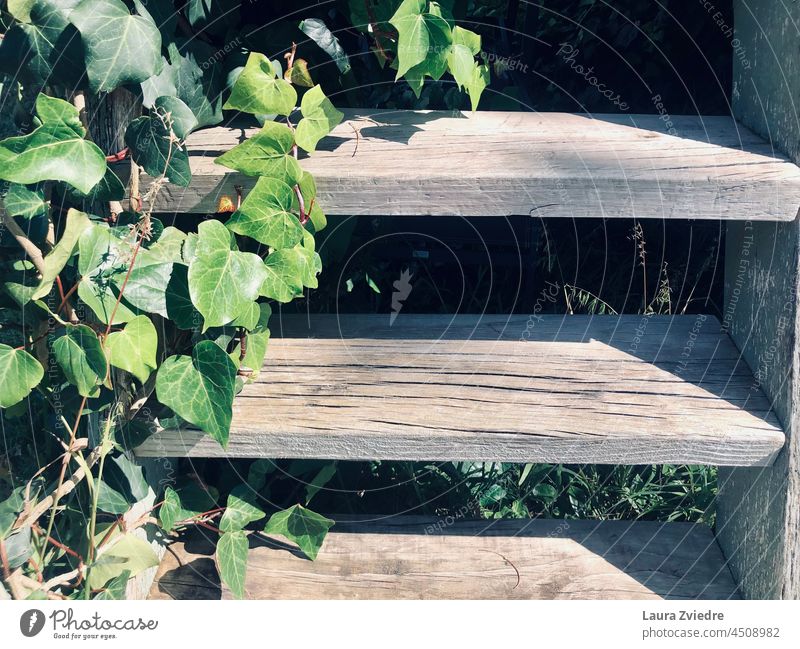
point(110, 188)
point(52, 110)
point(80, 356)
point(44, 47)
point(423, 37)
point(134, 348)
point(308, 187)
point(115, 589)
point(131, 554)
point(25, 202)
point(240, 510)
point(110, 500)
point(57, 258)
point(222, 281)
point(318, 32)
point(232, 561)
point(153, 147)
point(257, 341)
point(20, 9)
point(123, 470)
point(177, 114)
point(200, 388)
point(19, 374)
point(259, 91)
point(267, 153)
point(121, 47)
point(288, 271)
point(301, 526)
point(170, 511)
point(53, 151)
point(319, 118)
point(148, 285)
point(265, 215)
point(200, 88)
point(320, 480)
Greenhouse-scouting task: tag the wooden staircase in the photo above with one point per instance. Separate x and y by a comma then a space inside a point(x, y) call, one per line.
point(605, 389)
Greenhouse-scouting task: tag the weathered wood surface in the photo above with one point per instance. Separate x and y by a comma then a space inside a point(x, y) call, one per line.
point(758, 522)
point(543, 164)
point(418, 558)
point(625, 390)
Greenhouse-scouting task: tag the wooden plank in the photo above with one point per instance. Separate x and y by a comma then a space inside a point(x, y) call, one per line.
point(506, 163)
point(758, 522)
point(418, 558)
point(606, 389)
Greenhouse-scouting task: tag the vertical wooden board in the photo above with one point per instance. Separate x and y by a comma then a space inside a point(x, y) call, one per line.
point(758, 522)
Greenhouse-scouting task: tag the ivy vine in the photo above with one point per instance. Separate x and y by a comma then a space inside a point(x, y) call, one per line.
point(113, 324)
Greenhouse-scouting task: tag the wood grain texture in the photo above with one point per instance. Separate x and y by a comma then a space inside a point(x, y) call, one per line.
point(417, 558)
point(758, 522)
point(605, 389)
point(509, 163)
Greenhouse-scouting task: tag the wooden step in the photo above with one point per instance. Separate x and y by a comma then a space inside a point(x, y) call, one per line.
point(406, 163)
point(603, 389)
point(418, 558)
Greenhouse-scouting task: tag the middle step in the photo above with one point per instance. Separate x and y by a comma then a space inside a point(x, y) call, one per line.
point(562, 389)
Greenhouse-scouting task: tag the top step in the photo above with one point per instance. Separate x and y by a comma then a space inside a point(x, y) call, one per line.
point(418, 163)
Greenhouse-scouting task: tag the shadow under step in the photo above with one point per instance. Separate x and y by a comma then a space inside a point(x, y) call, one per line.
point(561, 389)
point(410, 557)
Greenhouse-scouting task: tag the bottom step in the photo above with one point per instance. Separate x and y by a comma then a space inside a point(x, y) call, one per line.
point(409, 557)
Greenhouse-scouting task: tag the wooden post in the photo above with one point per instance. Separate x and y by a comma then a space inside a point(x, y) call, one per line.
point(758, 513)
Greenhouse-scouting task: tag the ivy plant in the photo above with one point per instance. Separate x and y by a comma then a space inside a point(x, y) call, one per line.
point(114, 324)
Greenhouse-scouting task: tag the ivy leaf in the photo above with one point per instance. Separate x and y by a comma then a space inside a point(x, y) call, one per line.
point(25, 202)
point(134, 348)
point(153, 147)
point(468, 73)
point(121, 47)
point(319, 118)
point(57, 258)
point(308, 188)
point(265, 215)
point(423, 37)
point(299, 75)
point(198, 85)
point(240, 510)
point(170, 511)
point(259, 91)
point(267, 153)
point(110, 500)
point(44, 47)
point(19, 374)
point(200, 388)
point(179, 302)
point(232, 560)
point(288, 271)
point(115, 589)
point(257, 341)
point(318, 32)
point(131, 554)
point(301, 526)
point(148, 284)
point(79, 354)
point(110, 188)
point(177, 114)
point(222, 281)
point(53, 151)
